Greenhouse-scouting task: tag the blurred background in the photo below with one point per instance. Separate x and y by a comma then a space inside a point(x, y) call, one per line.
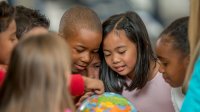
point(156, 14)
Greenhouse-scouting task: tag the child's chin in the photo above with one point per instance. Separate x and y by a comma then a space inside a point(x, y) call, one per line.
point(122, 74)
point(175, 85)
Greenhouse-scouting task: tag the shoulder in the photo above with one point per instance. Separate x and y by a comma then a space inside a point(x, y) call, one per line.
point(157, 78)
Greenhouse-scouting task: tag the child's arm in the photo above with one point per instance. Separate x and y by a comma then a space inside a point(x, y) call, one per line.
point(80, 84)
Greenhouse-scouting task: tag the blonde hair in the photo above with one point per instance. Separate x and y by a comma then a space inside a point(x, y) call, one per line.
point(37, 75)
point(194, 39)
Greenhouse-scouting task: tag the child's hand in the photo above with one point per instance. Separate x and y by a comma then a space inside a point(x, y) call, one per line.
point(94, 85)
point(82, 98)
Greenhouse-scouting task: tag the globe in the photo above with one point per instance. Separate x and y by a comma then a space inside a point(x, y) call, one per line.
point(107, 102)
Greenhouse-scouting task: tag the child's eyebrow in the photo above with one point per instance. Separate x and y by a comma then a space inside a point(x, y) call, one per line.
point(80, 46)
point(106, 50)
point(123, 46)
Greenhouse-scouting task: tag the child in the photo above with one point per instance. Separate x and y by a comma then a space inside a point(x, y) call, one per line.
point(7, 36)
point(30, 22)
point(81, 28)
point(130, 67)
point(92, 71)
point(93, 68)
point(172, 49)
point(37, 77)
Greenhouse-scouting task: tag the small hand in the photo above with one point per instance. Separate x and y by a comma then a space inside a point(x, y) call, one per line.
point(93, 85)
point(82, 98)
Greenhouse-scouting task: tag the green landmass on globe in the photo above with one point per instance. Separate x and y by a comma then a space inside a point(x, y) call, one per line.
point(116, 100)
point(108, 102)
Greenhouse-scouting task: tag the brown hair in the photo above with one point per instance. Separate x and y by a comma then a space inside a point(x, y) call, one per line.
point(7, 13)
point(76, 18)
point(27, 19)
point(194, 39)
point(36, 77)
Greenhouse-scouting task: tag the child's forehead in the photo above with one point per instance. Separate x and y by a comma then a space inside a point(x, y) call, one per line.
point(117, 35)
point(166, 40)
point(163, 43)
point(86, 33)
point(166, 49)
point(85, 37)
point(75, 30)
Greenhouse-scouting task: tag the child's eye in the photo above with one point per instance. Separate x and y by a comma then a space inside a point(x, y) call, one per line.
point(13, 38)
point(79, 50)
point(97, 65)
point(106, 53)
point(164, 63)
point(122, 52)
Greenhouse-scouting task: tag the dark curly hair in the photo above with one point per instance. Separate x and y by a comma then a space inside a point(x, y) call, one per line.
point(177, 32)
point(27, 19)
point(7, 14)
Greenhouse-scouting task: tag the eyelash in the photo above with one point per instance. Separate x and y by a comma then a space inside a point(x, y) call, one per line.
point(13, 38)
point(97, 66)
point(164, 63)
point(78, 50)
point(106, 55)
point(122, 52)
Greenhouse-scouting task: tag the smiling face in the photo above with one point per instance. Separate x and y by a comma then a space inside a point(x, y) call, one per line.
point(173, 63)
point(8, 40)
point(83, 47)
point(120, 53)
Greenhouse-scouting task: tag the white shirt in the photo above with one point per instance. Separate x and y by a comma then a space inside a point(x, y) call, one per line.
point(177, 98)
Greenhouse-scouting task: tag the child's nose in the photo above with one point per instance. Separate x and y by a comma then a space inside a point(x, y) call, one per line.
point(115, 59)
point(86, 58)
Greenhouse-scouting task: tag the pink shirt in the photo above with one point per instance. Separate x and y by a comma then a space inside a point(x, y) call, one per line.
point(155, 96)
point(68, 110)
